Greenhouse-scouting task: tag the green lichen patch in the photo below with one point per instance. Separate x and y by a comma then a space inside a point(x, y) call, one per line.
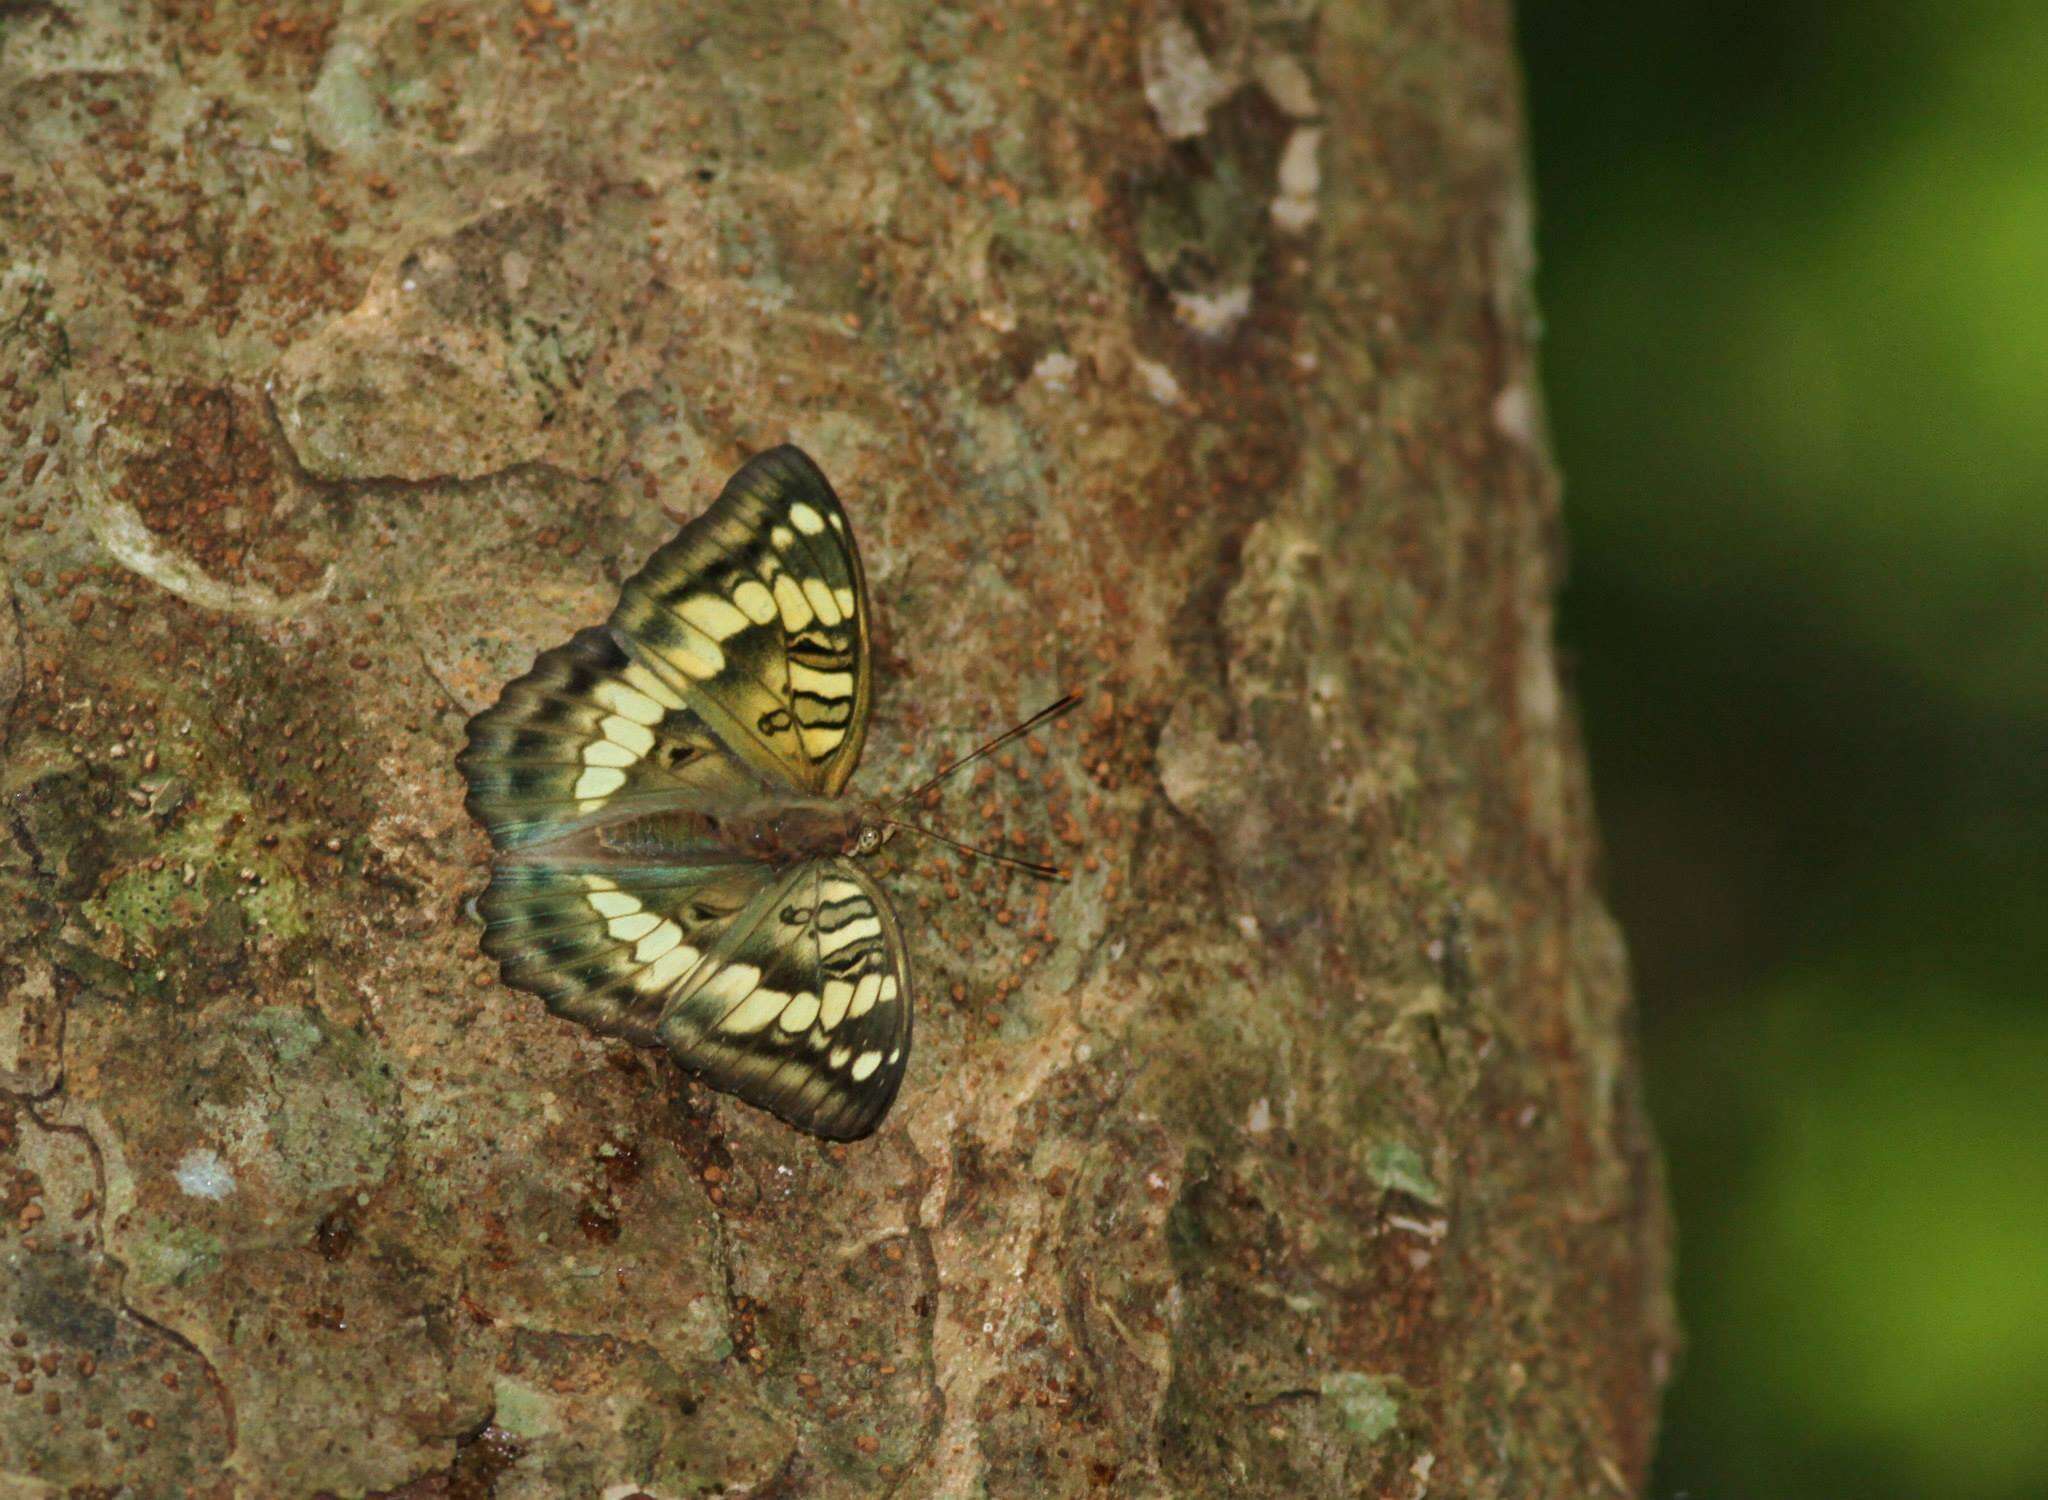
point(278, 906)
point(521, 1410)
point(145, 901)
point(331, 1126)
point(1366, 1405)
point(1397, 1167)
point(169, 1253)
point(176, 927)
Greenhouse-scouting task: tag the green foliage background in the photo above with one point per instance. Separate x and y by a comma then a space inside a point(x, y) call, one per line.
point(1796, 286)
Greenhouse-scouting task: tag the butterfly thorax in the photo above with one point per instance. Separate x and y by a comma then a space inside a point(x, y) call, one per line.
point(783, 830)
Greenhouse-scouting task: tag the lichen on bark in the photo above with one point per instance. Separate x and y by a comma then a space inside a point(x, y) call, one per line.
point(348, 355)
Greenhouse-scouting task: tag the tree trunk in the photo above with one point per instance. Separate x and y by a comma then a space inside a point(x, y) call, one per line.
point(347, 355)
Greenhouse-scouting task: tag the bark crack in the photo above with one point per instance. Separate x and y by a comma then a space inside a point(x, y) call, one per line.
point(214, 1382)
point(928, 1320)
point(40, 871)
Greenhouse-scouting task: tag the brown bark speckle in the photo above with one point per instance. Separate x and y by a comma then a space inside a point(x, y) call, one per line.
point(1179, 355)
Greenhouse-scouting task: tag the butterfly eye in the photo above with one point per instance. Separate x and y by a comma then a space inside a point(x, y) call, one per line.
point(870, 840)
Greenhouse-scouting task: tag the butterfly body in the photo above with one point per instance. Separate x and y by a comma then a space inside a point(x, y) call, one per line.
point(665, 795)
point(785, 830)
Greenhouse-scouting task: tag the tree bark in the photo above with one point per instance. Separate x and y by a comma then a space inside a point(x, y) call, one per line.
point(347, 355)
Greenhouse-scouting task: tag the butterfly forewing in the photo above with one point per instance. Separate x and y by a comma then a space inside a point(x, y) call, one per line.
point(757, 613)
point(590, 733)
point(734, 668)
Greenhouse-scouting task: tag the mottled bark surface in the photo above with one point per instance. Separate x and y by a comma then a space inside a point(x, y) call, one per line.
point(346, 355)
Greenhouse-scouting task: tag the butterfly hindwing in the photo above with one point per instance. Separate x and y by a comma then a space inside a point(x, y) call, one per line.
point(608, 943)
point(756, 613)
point(588, 732)
point(805, 1006)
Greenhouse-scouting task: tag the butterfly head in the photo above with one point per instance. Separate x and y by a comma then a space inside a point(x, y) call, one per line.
point(868, 834)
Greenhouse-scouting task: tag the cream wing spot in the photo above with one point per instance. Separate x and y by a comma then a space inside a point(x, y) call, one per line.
point(865, 1064)
point(635, 738)
point(800, 1012)
point(838, 995)
point(698, 655)
point(630, 929)
point(755, 602)
point(843, 597)
point(806, 520)
point(783, 538)
point(651, 687)
point(668, 968)
point(730, 985)
point(655, 944)
point(822, 684)
point(821, 602)
point(606, 753)
point(597, 783)
point(755, 1012)
point(839, 1056)
point(864, 996)
point(852, 932)
point(609, 902)
point(628, 703)
point(714, 616)
point(790, 600)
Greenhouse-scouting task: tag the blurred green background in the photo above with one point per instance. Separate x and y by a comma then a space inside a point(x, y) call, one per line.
point(1795, 286)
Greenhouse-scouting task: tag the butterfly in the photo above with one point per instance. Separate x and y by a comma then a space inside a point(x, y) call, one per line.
point(674, 856)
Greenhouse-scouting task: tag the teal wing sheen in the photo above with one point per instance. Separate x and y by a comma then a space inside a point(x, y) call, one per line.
point(588, 735)
point(756, 614)
point(606, 942)
point(733, 671)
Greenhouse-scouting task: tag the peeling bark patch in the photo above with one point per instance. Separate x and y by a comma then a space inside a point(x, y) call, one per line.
point(1213, 314)
point(1295, 206)
point(1181, 83)
point(1205, 219)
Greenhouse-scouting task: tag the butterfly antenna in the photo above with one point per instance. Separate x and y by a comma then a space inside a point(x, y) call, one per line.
point(1029, 867)
point(1049, 712)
